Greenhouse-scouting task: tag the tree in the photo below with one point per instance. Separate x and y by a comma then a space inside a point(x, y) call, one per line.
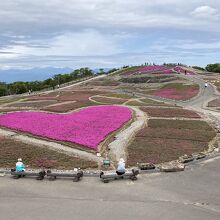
point(198, 68)
point(213, 67)
point(18, 87)
point(3, 89)
point(101, 71)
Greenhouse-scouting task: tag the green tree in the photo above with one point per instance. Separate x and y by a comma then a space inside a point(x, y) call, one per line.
point(3, 89)
point(213, 67)
point(198, 68)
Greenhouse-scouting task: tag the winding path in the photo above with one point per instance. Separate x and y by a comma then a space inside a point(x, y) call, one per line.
point(197, 103)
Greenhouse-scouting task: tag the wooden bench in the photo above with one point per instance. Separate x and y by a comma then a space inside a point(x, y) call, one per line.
point(76, 175)
point(129, 174)
point(28, 173)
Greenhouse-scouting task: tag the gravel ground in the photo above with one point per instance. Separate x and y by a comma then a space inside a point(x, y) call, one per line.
point(118, 146)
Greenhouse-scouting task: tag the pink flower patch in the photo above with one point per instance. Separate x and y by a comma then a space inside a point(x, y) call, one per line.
point(172, 93)
point(155, 69)
point(180, 69)
point(87, 127)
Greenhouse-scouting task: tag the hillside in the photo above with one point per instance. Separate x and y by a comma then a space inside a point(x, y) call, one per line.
point(160, 118)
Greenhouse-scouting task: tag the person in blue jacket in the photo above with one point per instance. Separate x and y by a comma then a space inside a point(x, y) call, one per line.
point(20, 167)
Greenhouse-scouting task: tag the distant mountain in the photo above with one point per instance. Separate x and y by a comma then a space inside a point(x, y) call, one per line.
point(27, 75)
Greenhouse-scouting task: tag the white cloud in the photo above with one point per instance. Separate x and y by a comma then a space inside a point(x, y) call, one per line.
point(205, 12)
point(203, 46)
point(57, 15)
point(84, 43)
point(100, 32)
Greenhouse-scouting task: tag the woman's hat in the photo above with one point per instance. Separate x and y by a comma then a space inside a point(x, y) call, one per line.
point(19, 159)
point(122, 160)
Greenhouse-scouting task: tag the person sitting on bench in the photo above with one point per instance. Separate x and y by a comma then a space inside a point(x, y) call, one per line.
point(20, 167)
point(121, 167)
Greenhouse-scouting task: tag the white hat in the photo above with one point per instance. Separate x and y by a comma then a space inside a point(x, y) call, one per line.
point(122, 160)
point(19, 159)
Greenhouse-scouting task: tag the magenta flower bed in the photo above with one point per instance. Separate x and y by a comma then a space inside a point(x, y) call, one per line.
point(87, 127)
point(182, 70)
point(172, 93)
point(167, 71)
point(150, 69)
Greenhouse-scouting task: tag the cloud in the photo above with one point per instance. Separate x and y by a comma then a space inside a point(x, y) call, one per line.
point(105, 32)
point(84, 43)
point(56, 16)
point(205, 12)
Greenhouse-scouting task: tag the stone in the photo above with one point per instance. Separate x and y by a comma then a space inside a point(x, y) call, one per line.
point(173, 166)
point(146, 166)
point(2, 174)
point(186, 158)
point(199, 156)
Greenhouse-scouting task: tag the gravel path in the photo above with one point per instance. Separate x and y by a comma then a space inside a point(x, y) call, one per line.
point(198, 103)
point(122, 139)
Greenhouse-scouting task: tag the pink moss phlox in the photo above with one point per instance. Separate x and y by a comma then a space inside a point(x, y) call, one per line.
point(150, 69)
point(171, 93)
point(87, 127)
point(182, 70)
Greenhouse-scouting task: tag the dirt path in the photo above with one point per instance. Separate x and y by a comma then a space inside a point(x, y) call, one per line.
point(60, 103)
point(82, 82)
point(122, 139)
point(131, 100)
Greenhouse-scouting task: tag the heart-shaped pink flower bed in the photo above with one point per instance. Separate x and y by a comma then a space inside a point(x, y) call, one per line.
point(87, 127)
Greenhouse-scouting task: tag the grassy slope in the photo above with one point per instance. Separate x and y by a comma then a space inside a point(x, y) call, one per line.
point(37, 157)
point(166, 140)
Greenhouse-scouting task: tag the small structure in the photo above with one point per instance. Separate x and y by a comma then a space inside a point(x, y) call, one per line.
point(146, 166)
point(129, 174)
point(106, 163)
point(173, 166)
point(28, 173)
point(75, 174)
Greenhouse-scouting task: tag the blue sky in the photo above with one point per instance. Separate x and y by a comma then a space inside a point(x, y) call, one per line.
point(108, 33)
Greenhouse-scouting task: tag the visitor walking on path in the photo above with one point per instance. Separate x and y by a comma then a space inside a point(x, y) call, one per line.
point(206, 85)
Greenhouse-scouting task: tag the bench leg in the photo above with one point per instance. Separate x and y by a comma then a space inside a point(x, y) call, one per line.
point(76, 179)
point(105, 181)
point(40, 178)
point(133, 178)
point(16, 176)
point(52, 178)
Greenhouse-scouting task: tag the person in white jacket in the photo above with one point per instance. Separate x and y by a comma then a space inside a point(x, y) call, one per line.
point(121, 167)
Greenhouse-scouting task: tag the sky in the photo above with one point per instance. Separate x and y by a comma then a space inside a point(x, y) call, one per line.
point(108, 33)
